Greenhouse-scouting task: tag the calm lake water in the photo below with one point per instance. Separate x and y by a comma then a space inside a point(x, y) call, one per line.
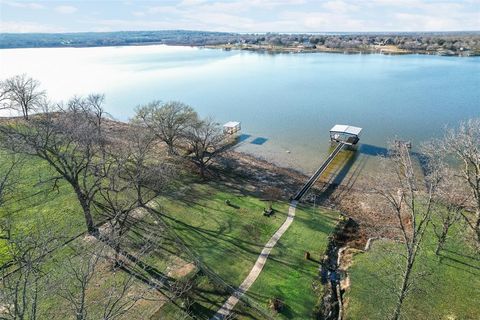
point(286, 102)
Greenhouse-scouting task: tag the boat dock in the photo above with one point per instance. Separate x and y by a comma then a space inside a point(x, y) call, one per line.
point(343, 135)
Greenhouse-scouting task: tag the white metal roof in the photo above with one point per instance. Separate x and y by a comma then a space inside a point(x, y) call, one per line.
point(346, 129)
point(231, 124)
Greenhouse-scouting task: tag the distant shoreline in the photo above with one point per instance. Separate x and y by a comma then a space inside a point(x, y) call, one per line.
point(266, 49)
point(373, 50)
point(463, 44)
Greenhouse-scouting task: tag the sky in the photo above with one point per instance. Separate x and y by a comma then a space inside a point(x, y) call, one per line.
point(240, 15)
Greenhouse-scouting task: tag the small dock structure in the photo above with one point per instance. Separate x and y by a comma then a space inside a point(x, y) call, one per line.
point(345, 133)
point(232, 127)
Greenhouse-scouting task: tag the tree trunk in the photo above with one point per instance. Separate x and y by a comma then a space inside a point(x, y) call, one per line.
point(171, 149)
point(442, 239)
point(117, 247)
point(439, 247)
point(80, 314)
point(91, 228)
point(116, 258)
point(403, 291)
point(477, 225)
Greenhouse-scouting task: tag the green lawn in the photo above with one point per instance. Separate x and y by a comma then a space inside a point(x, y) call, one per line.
point(38, 205)
point(228, 240)
point(287, 275)
point(449, 288)
point(37, 208)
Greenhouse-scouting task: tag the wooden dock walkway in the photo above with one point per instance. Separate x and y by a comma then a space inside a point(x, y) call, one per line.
point(319, 171)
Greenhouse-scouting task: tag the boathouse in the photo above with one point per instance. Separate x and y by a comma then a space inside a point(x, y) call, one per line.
point(345, 133)
point(231, 127)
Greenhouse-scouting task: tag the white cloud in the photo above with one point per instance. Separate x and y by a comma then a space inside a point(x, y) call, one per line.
point(422, 22)
point(25, 27)
point(189, 3)
point(163, 9)
point(339, 6)
point(271, 15)
point(27, 5)
point(66, 9)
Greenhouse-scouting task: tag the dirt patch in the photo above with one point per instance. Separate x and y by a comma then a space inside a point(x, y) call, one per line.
point(182, 271)
point(179, 268)
point(345, 261)
point(258, 176)
point(3, 309)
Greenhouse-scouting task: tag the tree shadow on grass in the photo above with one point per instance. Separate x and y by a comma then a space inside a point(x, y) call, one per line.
point(462, 255)
point(212, 239)
point(318, 224)
point(456, 263)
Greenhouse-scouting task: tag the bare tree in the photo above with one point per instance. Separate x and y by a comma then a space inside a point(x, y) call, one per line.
point(411, 207)
point(167, 121)
point(23, 93)
point(81, 274)
point(205, 141)
point(145, 170)
point(77, 272)
point(464, 144)
point(450, 202)
point(124, 292)
point(23, 283)
point(8, 164)
point(451, 197)
point(133, 177)
point(4, 92)
point(70, 141)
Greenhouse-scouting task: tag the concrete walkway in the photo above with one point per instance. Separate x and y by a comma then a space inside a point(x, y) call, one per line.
point(228, 306)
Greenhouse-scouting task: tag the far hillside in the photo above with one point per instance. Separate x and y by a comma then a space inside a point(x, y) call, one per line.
point(438, 43)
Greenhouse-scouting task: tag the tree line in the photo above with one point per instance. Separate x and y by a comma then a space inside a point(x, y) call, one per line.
point(114, 170)
point(445, 43)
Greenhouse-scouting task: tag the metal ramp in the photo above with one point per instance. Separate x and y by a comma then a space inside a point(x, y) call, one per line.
point(319, 171)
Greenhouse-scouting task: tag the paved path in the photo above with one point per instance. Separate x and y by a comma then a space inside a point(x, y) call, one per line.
point(228, 306)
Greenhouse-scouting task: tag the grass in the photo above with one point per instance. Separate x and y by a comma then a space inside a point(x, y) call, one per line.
point(38, 208)
point(228, 240)
point(35, 205)
point(54, 306)
point(448, 289)
point(287, 274)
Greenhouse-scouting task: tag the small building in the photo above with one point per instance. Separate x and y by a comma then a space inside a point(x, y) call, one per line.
point(345, 133)
point(231, 127)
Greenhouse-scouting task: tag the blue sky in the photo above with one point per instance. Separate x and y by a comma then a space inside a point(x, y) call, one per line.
point(240, 16)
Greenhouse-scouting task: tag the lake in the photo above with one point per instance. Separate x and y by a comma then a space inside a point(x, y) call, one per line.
point(286, 102)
